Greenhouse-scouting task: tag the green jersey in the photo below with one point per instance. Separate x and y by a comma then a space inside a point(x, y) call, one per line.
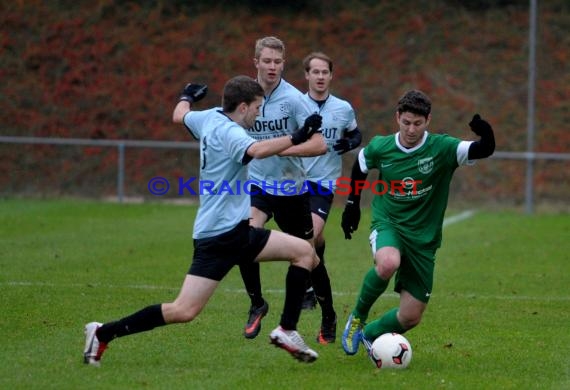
point(413, 185)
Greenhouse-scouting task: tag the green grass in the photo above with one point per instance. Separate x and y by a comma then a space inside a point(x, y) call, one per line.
point(499, 317)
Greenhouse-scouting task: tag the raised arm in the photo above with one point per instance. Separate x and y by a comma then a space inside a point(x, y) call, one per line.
point(190, 94)
point(315, 146)
point(270, 147)
point(486, 144)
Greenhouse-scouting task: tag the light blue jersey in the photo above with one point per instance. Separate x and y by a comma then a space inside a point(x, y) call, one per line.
point(282, 113)
point(223, 144)
point(338, 119)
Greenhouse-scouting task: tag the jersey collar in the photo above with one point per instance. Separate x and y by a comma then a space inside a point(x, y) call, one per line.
point(410, 150)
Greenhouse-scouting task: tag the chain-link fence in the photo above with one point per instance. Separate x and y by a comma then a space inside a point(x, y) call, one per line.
point(131, 170)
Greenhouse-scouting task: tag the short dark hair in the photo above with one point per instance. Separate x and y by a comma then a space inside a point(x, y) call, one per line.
point(416, 102)
point(319, 55)
point(240, 89)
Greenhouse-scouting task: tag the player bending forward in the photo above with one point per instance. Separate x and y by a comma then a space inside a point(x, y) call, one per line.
point(222, 234)
point(407, 224)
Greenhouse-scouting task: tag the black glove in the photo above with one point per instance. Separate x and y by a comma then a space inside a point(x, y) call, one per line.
point(312, 125)
point(350, 218)
point(479, 126)
point(343, 145)
point(193, 92)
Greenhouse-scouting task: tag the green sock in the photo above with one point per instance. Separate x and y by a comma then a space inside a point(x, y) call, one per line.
point(372, 288)
point(386, 324)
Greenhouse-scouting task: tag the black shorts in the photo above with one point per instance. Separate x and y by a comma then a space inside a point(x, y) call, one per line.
point(321, 199)
point(292, 213)
point(215, 256)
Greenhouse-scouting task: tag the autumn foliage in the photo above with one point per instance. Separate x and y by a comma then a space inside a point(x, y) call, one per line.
point(113, 70)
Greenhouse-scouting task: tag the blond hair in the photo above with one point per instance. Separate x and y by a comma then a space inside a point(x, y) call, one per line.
point(270, 42)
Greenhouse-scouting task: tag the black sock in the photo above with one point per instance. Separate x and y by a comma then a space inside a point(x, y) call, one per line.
point(146, 319)
point(294, 293)
point(252, 282)
point(323, 290)
point(321, 253)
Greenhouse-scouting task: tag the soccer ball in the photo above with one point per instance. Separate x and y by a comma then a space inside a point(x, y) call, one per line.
point(391, 350)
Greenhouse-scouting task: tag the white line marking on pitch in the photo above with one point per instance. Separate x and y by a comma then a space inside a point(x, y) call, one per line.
point(447, 221)
point(458, 217)
point(274, 291)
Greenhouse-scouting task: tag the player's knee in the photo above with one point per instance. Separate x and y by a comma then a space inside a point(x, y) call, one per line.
point(189, 314)
point(180, 313)
point(387, 262)
point(304, 255)
point(387, 267)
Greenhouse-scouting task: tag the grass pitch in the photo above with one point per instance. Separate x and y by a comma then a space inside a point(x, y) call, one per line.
point(498, 318)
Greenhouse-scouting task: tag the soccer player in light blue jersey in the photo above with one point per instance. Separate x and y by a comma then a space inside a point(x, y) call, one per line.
point(222, 234)
point(341, 134)
point(407, 217)
point(281, 193)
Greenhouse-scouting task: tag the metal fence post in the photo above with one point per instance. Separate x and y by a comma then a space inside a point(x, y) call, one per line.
point(121, 172)
point(529, 188)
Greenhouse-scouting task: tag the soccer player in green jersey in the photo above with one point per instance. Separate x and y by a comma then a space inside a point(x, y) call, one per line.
point(416, 168)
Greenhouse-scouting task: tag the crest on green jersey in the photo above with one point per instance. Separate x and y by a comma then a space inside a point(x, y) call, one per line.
point(425, 165)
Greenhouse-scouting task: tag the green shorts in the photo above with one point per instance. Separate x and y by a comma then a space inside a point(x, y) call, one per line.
point(415, 274)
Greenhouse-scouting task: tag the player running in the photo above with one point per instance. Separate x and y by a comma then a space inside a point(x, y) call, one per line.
point(222, 234)
point(406, 222)
point(341, 134)
point(280, 192)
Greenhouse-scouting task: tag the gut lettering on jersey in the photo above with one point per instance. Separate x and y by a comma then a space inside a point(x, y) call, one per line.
point(271, 125)
point(330, 133)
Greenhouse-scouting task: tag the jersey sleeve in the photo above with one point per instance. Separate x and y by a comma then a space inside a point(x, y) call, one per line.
point(369, 157)
point(362, 161)
point(193, 123)
point(350, 119)
point(456, 150)
point(463, 153)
